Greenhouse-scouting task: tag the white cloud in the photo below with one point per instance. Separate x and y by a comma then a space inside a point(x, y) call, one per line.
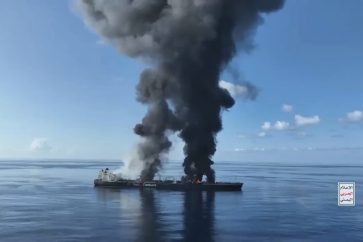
point(355, 116)
point(245, 90)
point(266, 126)
point(261, 134)
point(40, 145)
point(252, 149)
point(239, 149)
point(287, 108)
point(281, 125)
point(302, 121)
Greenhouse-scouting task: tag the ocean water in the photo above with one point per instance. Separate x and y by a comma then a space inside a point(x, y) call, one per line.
point(56, 201)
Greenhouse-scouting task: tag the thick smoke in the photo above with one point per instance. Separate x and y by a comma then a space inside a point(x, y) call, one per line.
point(188, 43)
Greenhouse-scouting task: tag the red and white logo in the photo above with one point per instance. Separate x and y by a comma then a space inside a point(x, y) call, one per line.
point(346, 193)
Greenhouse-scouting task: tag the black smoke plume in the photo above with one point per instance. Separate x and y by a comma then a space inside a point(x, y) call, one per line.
point(187, 43)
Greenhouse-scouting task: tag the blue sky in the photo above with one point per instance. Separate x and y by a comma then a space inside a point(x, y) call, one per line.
point(64, 93)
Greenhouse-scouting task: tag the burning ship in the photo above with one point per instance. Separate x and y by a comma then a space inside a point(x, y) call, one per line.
point(186, 45)
point(108, 179)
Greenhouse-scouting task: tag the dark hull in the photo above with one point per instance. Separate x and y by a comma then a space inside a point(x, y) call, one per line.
point(173, 186)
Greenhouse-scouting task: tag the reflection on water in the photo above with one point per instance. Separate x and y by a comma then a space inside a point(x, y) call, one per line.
point(198, 216)
point(57, 202)
point(151, 223)
point(150, 226)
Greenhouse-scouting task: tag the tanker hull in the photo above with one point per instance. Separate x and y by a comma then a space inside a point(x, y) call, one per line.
point(170, 185)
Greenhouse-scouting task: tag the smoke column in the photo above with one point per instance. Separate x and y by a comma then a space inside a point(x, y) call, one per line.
point(187, 43)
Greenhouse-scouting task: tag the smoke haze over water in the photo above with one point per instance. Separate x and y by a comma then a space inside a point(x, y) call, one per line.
point(189, 43)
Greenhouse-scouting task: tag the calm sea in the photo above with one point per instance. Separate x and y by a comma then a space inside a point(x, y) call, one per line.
point(56, 201)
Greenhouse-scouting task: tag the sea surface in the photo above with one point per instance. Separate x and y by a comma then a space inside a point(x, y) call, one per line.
point(56, 201)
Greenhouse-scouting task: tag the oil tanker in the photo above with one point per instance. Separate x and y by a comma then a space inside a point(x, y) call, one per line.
point(107, 179)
